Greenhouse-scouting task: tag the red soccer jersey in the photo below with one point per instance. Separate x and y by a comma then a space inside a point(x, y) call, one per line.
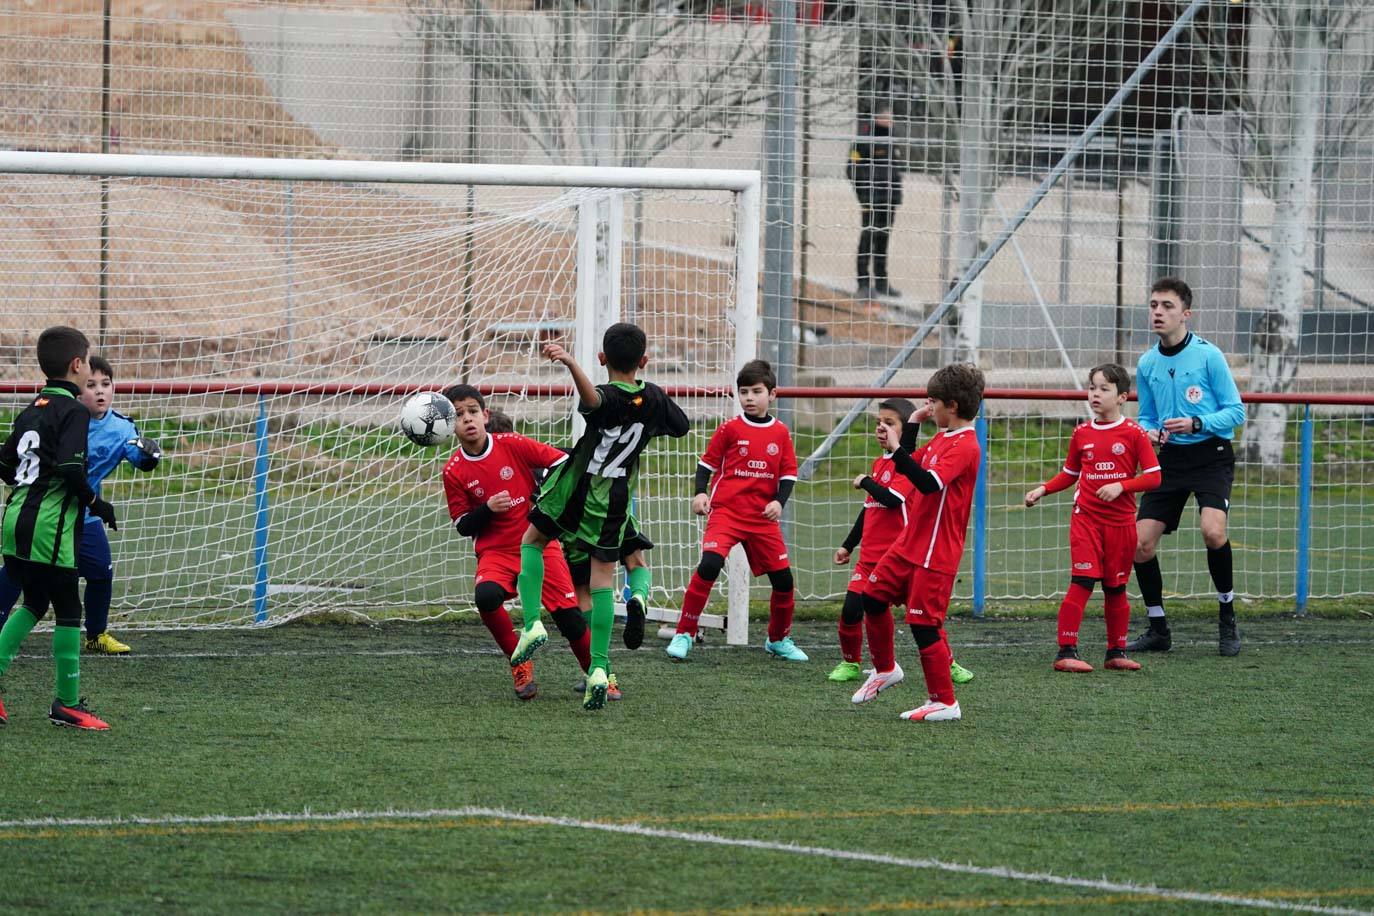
point(882, 526)
point(748, 458)
point(1102, 454)
point(934, 536)
point(508, 463)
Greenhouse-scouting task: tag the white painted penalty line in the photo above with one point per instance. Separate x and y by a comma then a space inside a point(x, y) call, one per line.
point(710, 839)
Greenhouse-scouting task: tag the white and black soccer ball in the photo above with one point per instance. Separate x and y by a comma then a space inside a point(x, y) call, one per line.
point(428, 418)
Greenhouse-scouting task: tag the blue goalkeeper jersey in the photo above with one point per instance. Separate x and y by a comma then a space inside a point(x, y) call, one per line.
point(109, 441)
point(1190, 380)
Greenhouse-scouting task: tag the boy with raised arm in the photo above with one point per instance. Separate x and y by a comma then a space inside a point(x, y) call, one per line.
point(585, 502)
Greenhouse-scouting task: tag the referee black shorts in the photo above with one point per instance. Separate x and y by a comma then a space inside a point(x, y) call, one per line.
point(1202, 469)
point(45, 585)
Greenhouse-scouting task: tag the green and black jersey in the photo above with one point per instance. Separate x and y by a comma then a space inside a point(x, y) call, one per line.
point(44, 459)
point(586, 500)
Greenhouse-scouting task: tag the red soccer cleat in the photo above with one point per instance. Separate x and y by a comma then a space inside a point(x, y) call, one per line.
point(523, 675)
point(1119, 662)
point(77, 716)
point(1068, 660)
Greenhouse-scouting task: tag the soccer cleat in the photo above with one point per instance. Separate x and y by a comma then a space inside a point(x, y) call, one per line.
point(77, 716)
point(105, 644)
point(680, 645)
point(525, 686)
point(934, 711)
point(785, 649)
point(612, 689)
point(1228, 642)
point(958, 673)
point(1117, 661)
point(598, 685)
point(1155, 639)
point(845, 671)
point(530, 640)
point(1068, 660)
point(878, 682)
point(634, 622)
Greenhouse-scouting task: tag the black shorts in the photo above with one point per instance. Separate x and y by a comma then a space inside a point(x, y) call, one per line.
point(44, 584)
point(580, 564)
point(1202, 469)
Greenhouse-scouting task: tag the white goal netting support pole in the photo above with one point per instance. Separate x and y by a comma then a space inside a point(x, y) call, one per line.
point(600, 236)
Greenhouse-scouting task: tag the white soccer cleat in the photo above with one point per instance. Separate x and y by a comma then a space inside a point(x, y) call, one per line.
point(878, 682)
point(934, 711)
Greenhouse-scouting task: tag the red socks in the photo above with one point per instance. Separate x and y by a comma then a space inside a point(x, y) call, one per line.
point(780, 606)
point(698, 590)
point(881, 639)
point(498, 622)
point(1118, 611)
point(852, 641)
point(935, 661)
point(1071, 613)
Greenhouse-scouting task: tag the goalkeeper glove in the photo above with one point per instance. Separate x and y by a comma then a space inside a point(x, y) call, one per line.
point(104, 511)
point(151, 450)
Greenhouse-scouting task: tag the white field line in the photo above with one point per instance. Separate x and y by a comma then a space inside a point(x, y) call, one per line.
point(710, 839)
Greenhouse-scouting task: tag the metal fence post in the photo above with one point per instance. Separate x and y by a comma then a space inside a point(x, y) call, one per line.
point(1304, 558)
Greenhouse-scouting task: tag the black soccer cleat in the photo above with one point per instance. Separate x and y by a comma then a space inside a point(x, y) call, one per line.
point(1228, 638)
point(634, 623)
point(1155, 639)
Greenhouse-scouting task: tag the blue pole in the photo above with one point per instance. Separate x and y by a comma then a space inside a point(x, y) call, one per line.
point(260, 524)
point(1305, 513)
point(980, 519)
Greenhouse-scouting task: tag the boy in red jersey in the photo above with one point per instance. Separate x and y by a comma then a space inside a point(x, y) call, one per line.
point(921, 565)
point(1104, 454)
point(489, 482)
point(881, 520)
point(754, 466)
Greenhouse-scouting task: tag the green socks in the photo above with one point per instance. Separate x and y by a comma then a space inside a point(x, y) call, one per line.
point(603, 619)
point(530, 583)
point(13, 635)
point(66, 656)
point(640, 581)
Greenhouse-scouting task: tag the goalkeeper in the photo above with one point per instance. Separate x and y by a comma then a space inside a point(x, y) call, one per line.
point(112, 439)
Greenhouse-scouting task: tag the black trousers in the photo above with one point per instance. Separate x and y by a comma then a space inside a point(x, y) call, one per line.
point(873, 239)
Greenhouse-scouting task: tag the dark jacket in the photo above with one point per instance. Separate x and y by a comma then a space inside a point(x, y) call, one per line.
point(874, 168)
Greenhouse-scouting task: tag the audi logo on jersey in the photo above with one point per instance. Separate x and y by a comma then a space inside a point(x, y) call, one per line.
point(1104, 466)
point(757, 464)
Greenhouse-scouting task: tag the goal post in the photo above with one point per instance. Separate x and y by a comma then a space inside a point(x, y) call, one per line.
point(267, 316)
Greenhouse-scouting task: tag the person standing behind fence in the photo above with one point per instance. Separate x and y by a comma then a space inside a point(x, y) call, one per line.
point(874, 171)
point(1189, 407)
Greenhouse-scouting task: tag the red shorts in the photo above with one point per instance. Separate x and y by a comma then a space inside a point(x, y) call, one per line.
point(928, 598)
point(857, 581)
point(1100, 551)
point(890, 578)
point(761, 538)
point(503, 567)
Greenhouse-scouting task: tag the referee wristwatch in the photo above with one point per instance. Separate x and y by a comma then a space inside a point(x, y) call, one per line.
point(1197, 424)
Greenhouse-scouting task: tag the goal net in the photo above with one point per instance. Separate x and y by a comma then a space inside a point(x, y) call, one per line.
point(265, 319)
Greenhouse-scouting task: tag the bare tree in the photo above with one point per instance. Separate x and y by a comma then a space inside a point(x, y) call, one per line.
point(1307, 96)
point(1014, 57)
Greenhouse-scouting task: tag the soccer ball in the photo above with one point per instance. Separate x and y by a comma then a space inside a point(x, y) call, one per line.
point(428, 418)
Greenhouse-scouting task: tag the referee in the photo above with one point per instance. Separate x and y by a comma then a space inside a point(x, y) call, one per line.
point(1189, 407)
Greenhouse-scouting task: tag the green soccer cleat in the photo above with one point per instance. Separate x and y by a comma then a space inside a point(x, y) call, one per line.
point(598, 685)
point(845, 671)
point(680, 645)
point(530, 640)
point(958, 673)
point(785, 649)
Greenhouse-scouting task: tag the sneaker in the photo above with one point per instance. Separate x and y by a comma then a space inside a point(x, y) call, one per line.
point(785, 649)
point(77, 716)
point(865, 290)
point(105, 644)
point(525, 686)
point(1228, 642)
point(887, 290)
point(634, 622)
point(934, 711)
point(1068, 660)
point(1155, 639)
point(530, 640)
point(958, 673)
point(680, 645)
point(878, 682)
point(845, 671)
point(598, 685)
point(1117, 661)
